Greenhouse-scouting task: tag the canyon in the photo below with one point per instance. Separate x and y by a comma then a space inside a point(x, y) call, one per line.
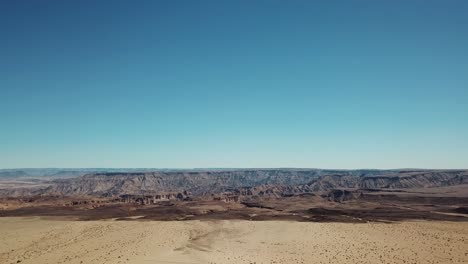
point(252, 194)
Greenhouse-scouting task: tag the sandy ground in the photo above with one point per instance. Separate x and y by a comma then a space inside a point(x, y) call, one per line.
point(35, 240)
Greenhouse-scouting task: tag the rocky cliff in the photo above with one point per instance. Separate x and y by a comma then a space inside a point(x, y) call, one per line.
point(254, 182)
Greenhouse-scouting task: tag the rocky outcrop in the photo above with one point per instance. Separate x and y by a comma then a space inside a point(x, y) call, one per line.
point(340, 196)
point(153, 199)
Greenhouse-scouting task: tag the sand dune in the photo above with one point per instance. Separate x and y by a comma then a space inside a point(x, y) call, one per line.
point(35, 240)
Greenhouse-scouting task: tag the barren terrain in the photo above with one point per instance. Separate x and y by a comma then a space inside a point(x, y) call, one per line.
point(40, 241)
point(238, 216)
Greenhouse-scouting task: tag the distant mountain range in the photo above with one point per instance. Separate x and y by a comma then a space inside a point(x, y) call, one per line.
point(277, 182)
point(67, 172)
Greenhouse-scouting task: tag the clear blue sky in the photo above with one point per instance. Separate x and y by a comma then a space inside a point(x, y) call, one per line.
point(181, 84)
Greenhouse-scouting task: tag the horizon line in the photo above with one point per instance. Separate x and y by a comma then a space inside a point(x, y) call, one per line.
point(219, 168)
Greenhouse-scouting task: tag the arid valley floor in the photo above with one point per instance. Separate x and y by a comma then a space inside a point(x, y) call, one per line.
point(39, 241)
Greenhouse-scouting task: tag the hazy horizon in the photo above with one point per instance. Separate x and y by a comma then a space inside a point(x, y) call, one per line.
point(218, 168)
point(257, 84)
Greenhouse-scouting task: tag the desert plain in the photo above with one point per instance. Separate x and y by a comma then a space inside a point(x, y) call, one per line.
point(39, 240)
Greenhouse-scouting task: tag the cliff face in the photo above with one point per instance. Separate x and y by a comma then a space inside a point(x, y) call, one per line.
point(402, 180)
point(279, 182)
point(197, 182)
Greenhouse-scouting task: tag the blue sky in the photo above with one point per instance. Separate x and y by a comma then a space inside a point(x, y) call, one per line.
point(182, 84)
